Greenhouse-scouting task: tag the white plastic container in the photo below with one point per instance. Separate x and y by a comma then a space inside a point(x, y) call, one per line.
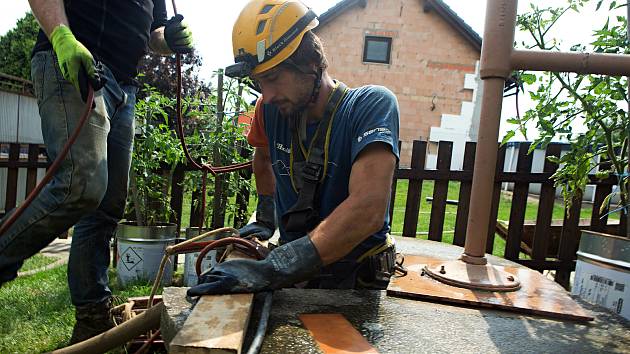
point(190, 275)
point(602, 272)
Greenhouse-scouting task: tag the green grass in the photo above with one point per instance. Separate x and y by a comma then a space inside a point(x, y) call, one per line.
point(425, 211)
point(36, 313)
point(505, 204)
point(36, 262)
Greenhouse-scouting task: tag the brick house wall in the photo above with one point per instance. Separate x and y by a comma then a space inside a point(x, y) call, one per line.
point(429, 60)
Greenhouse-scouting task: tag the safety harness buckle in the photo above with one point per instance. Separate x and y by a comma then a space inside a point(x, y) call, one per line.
point(312, 172)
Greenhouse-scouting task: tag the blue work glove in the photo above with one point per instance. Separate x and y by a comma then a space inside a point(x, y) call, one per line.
point(265, 224)
point(286, 265)
point(178, 36)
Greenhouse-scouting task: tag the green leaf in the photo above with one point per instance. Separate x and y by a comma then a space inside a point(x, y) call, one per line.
point(613, 4)
point(605, 203)
point(513, 121)
point(599, 4)
point(509, 135)
point(528, 78)
point(602, 174)
point(554, 159)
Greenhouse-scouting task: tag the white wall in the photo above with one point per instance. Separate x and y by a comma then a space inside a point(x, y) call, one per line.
point(19, 123)
point(19, 119)
point(460, 128)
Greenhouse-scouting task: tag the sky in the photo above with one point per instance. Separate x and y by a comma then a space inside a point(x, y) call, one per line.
point(211, 23)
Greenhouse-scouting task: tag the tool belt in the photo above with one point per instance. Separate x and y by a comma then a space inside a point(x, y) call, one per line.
point(377, 266)
point(372, 270)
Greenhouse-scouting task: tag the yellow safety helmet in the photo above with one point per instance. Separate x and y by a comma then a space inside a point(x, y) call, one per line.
point(266, 33)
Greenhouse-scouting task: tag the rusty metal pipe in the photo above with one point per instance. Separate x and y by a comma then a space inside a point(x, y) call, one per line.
point(581, 63)
point(119, 335)
point(496, 50)
point(484, 173)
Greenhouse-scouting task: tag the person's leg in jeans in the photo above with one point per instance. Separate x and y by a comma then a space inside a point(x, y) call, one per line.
point(80, 183)
point(89, 253)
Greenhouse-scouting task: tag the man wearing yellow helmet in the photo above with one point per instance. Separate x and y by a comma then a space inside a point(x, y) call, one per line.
point(324, 160)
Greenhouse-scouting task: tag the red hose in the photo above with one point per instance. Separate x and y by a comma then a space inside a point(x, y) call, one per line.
point(180, 132)
point(54, 167)
point(222, 242)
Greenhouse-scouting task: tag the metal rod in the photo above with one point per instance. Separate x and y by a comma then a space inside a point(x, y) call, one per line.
point(581, 63)
point(484, 172)
point(495, 68)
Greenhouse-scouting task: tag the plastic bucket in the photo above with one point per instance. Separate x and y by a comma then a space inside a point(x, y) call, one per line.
point(140, 251)
point(190, 275)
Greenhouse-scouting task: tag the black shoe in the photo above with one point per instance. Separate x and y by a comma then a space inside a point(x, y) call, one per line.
point(92, 320)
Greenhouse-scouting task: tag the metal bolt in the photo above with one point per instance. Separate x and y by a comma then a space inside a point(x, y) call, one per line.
point(442, 270)
point(510, 278)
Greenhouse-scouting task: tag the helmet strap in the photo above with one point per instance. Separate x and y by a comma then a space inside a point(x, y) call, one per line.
point(317, 82)
point(317, 85)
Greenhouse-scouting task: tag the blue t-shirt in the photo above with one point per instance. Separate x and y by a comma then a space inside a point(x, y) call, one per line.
point(366, 115)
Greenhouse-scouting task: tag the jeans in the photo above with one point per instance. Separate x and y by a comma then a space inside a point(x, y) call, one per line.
point(89, 189)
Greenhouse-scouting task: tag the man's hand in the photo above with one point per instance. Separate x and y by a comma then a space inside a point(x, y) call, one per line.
point(265, 224)
point(178, 36)
point(73, 57)
point(286, 265)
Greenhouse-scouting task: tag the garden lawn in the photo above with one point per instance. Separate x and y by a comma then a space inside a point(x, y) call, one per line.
point(36, 314)
point(505, 205)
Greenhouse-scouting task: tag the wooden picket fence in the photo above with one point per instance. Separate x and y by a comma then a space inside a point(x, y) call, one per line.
point(32, 157)
point(538, 255)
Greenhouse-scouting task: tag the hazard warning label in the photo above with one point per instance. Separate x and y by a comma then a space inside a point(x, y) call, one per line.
point(130, 258)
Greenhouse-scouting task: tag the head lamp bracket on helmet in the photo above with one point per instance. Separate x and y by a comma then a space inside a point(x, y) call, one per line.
point(245, 64)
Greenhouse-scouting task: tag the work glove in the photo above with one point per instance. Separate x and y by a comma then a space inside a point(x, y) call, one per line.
point(286, 265)
point(75, 60)
point(265, 224)
point(178, 36)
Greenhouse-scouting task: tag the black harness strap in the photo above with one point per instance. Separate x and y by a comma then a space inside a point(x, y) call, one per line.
point(308, 172)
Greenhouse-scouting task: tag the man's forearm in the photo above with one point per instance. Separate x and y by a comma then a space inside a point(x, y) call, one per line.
point(265, 180)
point(349, 224)
point(49, 14)
point(363, 212)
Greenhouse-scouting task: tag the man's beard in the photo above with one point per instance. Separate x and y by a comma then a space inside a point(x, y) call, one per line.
point(301, 103)
point(295, 110)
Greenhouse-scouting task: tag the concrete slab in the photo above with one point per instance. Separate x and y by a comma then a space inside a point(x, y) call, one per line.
point(175, 313)
point(396, 325)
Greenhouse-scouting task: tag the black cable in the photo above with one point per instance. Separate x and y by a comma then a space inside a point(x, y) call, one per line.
point(254, 348)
